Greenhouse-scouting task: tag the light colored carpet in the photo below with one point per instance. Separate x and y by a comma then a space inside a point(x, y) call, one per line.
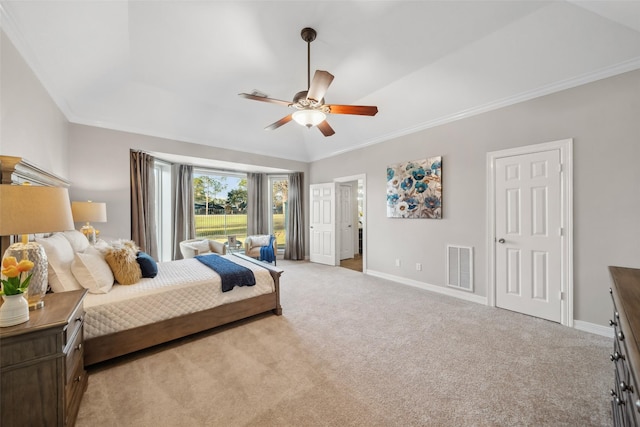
point(353, 350)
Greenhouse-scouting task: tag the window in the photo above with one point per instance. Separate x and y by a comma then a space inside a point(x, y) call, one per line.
point(279, 189)
point(162, 176)
point(220, 204)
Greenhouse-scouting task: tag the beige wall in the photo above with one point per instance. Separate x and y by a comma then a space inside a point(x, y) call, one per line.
point(603, 118)
point(31, 125)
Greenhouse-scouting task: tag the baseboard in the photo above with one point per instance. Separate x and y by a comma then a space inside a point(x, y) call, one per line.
point(593, 328)
point(429, 287)
point(605, 331)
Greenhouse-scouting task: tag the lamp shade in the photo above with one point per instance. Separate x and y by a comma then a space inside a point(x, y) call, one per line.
point(309, 117)
point(89, 212)
point(26, 209)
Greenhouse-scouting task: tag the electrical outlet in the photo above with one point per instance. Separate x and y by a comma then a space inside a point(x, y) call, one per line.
point(418, 266)
point(397, 262)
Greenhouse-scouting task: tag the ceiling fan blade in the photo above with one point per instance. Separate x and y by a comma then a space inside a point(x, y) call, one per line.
point(361, 110)
point(282, 121)
point(325, 128)
point(265, 99)
point(319, 85)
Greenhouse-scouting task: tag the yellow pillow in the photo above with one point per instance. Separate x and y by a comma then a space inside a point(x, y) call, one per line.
point(121, 257)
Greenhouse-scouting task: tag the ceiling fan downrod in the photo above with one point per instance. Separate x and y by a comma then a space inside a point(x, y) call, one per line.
point(308, 35)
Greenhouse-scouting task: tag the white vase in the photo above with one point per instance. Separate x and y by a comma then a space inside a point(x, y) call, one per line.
point(14, 310)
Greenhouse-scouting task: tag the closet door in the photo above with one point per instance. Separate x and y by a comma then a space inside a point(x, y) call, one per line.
point(322, 220)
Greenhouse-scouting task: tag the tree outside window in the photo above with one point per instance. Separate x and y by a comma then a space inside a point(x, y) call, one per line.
point(205, 189)
point(220, 205)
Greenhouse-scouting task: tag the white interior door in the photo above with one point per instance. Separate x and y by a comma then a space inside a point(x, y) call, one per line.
point(528, 234)
point(322, 223)
point(345, 221)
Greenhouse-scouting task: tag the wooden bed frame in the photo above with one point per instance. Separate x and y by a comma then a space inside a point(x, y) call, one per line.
point(108, 346)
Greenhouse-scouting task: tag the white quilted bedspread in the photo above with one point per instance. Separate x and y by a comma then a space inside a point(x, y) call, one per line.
point(181, 287)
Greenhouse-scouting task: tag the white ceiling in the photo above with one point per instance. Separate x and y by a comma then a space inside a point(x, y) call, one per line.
point(174, 69)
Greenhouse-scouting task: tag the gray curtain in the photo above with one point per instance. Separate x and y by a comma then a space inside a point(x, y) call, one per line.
point(256, 204)
point(143, 206)
point(294, 245)
point(184, 226)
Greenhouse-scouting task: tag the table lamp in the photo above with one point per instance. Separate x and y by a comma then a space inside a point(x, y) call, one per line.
point(27, 209)
point(89, 212)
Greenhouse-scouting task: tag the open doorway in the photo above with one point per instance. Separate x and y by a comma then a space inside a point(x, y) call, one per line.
point(351, 222)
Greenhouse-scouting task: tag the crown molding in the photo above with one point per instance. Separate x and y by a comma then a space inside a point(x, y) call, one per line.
point(603, 73)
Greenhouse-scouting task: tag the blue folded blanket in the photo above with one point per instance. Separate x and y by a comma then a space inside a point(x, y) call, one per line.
point(231, 274)
point(266, 252)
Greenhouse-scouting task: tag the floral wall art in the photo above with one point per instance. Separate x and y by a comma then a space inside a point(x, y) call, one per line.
point(414, 189)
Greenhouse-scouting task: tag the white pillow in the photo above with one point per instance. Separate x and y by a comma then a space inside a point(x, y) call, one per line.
point(101, 245)
point(97, 250)
point(78, 241)
point(60, 255)
point(93, 272)
point(260, 240)
point(202, 246)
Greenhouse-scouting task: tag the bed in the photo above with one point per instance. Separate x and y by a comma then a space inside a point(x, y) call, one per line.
point(183, 297)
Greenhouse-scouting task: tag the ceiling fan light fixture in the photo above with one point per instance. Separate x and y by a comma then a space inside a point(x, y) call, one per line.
point(309, 118)
point(309, 106)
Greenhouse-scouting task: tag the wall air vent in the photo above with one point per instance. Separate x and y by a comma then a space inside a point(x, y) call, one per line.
point(460, 267)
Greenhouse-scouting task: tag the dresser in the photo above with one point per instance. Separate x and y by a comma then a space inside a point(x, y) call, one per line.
point(42, 376)
point(625, 397)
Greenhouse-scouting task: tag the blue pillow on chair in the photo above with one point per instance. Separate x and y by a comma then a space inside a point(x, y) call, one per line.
point(148, 265)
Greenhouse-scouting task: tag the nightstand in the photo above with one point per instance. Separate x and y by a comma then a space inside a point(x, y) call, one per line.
point(42, 376)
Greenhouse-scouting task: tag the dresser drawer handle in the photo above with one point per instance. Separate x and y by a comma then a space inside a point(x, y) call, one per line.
point(619, 401)
point(612, 392)
point(79, 319)
point(79, 347)
point(616, 356)
point(620, 336)
point(77, 379)
point(626, 387)
point(612, 323)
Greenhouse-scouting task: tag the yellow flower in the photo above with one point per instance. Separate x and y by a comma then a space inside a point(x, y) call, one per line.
point(11, 271)
point(25, 265)
point(9, 261)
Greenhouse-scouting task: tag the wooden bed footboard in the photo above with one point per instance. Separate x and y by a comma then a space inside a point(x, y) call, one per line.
point(107, 347)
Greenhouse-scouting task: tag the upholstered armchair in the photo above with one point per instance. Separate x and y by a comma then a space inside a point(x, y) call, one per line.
point(253, 245)
point(191, 248)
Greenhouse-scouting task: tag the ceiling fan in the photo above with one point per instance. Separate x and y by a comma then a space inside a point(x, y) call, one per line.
point(309, 104)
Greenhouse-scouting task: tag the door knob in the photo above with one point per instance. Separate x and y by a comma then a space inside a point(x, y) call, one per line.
point(501, 241)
